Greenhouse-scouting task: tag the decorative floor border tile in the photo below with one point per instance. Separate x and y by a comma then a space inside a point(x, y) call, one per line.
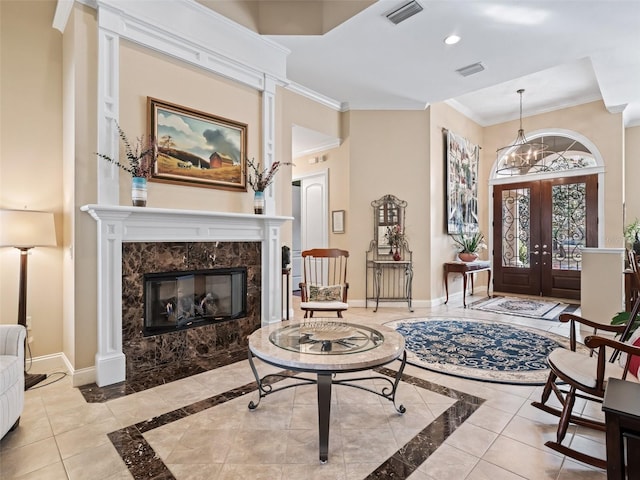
point(143, 462)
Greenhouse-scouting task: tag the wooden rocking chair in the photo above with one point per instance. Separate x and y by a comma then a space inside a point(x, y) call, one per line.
point(586, 375)
point(325, 285)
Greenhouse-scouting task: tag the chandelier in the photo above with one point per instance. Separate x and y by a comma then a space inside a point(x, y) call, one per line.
point(522, 157)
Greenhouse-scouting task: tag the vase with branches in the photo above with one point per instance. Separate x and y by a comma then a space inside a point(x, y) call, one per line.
point(259, 179)
point(141, 160)
point(395, 237)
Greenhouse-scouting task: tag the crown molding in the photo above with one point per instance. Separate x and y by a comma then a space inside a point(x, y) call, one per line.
point(400, 105)
point(470, 114)
point(193, 33)
point(315, 96)
point(322, 147)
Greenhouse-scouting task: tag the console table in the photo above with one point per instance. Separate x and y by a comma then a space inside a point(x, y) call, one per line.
point(326, 348)
point(392, 281)
point(466, 269)
point(622, 419)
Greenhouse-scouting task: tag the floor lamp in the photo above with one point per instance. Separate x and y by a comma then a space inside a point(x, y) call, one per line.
point(25, 229)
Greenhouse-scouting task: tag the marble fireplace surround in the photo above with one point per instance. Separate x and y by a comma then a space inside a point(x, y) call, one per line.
point(118, 224)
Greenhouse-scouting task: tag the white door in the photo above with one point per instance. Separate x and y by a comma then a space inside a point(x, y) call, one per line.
point(314, 218)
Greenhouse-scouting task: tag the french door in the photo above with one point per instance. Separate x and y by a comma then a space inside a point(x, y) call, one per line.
point(539, 229)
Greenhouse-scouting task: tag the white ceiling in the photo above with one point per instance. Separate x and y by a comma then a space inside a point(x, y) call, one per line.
point(562, 52)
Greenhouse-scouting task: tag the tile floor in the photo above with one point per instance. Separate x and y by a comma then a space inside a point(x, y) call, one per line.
point(200, 428)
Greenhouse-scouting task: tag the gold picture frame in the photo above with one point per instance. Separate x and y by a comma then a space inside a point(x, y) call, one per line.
point(196, 148)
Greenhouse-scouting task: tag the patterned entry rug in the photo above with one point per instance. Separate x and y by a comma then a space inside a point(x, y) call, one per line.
point(479, 349)
point(524, 307)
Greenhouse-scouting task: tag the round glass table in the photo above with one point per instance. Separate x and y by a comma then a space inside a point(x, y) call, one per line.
point(326, 348)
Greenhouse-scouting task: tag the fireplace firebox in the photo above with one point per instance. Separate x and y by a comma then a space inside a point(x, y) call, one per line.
point(186, 299)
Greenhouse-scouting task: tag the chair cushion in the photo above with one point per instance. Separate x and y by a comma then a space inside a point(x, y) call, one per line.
point(329, 306)
point(634, 364)
point(582, 368)
point(329, 293)
point(10, 371)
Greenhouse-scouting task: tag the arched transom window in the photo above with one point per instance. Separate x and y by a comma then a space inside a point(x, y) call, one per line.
point(561, 152)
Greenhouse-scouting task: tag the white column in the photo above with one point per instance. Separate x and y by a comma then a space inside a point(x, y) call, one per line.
point(602, 283)
point(108, 98)
point(110, 360)
point(271, 274)
point(268, 137)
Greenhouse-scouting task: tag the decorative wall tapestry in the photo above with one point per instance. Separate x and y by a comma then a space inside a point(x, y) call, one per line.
point(462, 184)
point(196, 148)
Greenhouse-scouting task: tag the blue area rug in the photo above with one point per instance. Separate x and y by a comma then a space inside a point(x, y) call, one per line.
point(479, 350)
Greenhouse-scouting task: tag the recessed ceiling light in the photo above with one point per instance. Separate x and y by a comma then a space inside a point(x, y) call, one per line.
point(452, 39)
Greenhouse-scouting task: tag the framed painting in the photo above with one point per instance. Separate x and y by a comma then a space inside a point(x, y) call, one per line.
point(337, 221)
point(462, 184)
point(197, 148)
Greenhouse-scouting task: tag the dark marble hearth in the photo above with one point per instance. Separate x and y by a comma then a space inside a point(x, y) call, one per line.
point(159, 376)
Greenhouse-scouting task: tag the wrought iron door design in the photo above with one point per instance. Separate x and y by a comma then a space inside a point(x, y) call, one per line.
point(539, 230)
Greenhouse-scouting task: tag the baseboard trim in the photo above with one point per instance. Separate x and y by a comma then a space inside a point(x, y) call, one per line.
point(47, 363)
point(83, 376)
point(358, 303)
point(59, 361)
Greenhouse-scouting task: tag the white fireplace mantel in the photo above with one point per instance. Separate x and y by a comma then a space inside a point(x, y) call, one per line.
point(119, 224)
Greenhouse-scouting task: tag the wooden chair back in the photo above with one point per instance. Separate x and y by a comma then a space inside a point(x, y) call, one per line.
point(324, 267)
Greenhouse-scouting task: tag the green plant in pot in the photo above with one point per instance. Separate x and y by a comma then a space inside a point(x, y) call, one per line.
point(631, 233)
point(469, 245)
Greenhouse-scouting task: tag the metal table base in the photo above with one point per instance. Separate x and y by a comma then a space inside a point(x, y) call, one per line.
point(324, 382)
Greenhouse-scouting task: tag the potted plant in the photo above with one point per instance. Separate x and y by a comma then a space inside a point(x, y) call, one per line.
point(141, 159)
point(259, 179)
point(469, 245)
point(631, 233)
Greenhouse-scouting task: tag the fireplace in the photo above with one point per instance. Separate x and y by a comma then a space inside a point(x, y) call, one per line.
point(186, 299)
point(122, 349)
point(172, 280)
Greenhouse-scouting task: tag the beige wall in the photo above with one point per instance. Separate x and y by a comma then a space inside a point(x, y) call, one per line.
point(31, 160)
point(388, 154)
point(632, 173)
point(83, 74)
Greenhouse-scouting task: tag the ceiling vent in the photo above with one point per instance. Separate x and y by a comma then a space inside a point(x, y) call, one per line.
point(405, 11)
point(471, 69)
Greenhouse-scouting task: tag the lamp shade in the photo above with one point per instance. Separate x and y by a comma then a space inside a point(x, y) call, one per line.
point(27, 228)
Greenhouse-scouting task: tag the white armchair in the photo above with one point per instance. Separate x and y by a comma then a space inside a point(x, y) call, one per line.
point(11, 376)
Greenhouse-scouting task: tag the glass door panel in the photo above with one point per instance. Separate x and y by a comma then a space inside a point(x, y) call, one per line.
point(516, 205)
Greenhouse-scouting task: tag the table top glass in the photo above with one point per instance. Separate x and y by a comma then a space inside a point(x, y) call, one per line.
point(353, 347)
point(325, 337)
